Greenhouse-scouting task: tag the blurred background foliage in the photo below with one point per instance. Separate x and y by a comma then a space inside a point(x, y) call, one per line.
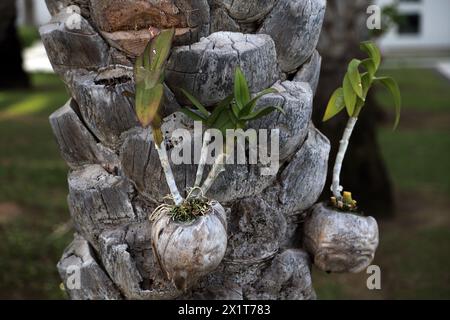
point(414, 243)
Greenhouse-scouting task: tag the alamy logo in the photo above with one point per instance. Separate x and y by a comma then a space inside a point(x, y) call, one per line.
point(374, 280)
point(374, 20)
point(73, 280)
point(234, 144)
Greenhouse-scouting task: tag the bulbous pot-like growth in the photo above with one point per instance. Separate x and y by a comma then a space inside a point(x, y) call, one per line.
point(187, 251)
point(340, 241)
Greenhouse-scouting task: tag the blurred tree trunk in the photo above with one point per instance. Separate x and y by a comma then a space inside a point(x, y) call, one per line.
point(29, 12)
point(10, 49)
point(364, 172)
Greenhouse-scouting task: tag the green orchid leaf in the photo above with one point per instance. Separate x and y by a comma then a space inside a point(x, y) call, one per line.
point(262, 113)
point(148, 103)
point(235, 110)
point(372, 50)
point(149, 71)
point(160, 49)
point(149, 67)
point(369, 64)
point(349, 95)
point(335, 105)
point(241, 90)
point(138, 66)
point(224, 121)
point(248, 108)
point(196, 103)
point(193, 115)
point(393, 88)
point(234, 119)
point(219, 108)
point(366, 81)
point(355, 77)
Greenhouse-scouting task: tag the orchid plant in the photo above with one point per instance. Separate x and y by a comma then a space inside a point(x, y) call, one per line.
point(352, 96)
point(149, 78)
point(233, 112)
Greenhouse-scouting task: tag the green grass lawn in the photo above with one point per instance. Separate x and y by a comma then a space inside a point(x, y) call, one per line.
point(413, 252)
point(32, 191)
point(422, 90)
point(418, 153)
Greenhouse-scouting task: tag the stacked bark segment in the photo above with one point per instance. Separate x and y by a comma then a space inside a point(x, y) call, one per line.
point(116, 179)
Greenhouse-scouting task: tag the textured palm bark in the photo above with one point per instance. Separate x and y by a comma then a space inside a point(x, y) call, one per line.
point(116, 179)
point(340, 241)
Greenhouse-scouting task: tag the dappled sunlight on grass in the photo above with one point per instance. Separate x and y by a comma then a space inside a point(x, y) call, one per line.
point(30, 105)
point(47, 92)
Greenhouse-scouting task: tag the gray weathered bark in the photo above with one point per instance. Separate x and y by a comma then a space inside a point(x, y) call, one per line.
point(116, 179)
point(340, 242)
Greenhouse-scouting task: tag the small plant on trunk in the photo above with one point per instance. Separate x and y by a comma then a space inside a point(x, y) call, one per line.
point(149, 78)
point(339, 239)
point(233, 112)
point(189, 237)
point(352, 96)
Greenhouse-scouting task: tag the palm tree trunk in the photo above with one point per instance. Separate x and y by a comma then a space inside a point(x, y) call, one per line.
point(116, 178)
point(29, 13)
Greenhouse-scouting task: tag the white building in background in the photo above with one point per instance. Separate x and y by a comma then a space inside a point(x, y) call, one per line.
point(425, 27)
point(40, 14)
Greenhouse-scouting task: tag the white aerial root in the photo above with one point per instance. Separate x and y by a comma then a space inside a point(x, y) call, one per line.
point(162, 153)
point(217, 168)
point(336, 188)
point(202, 161)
